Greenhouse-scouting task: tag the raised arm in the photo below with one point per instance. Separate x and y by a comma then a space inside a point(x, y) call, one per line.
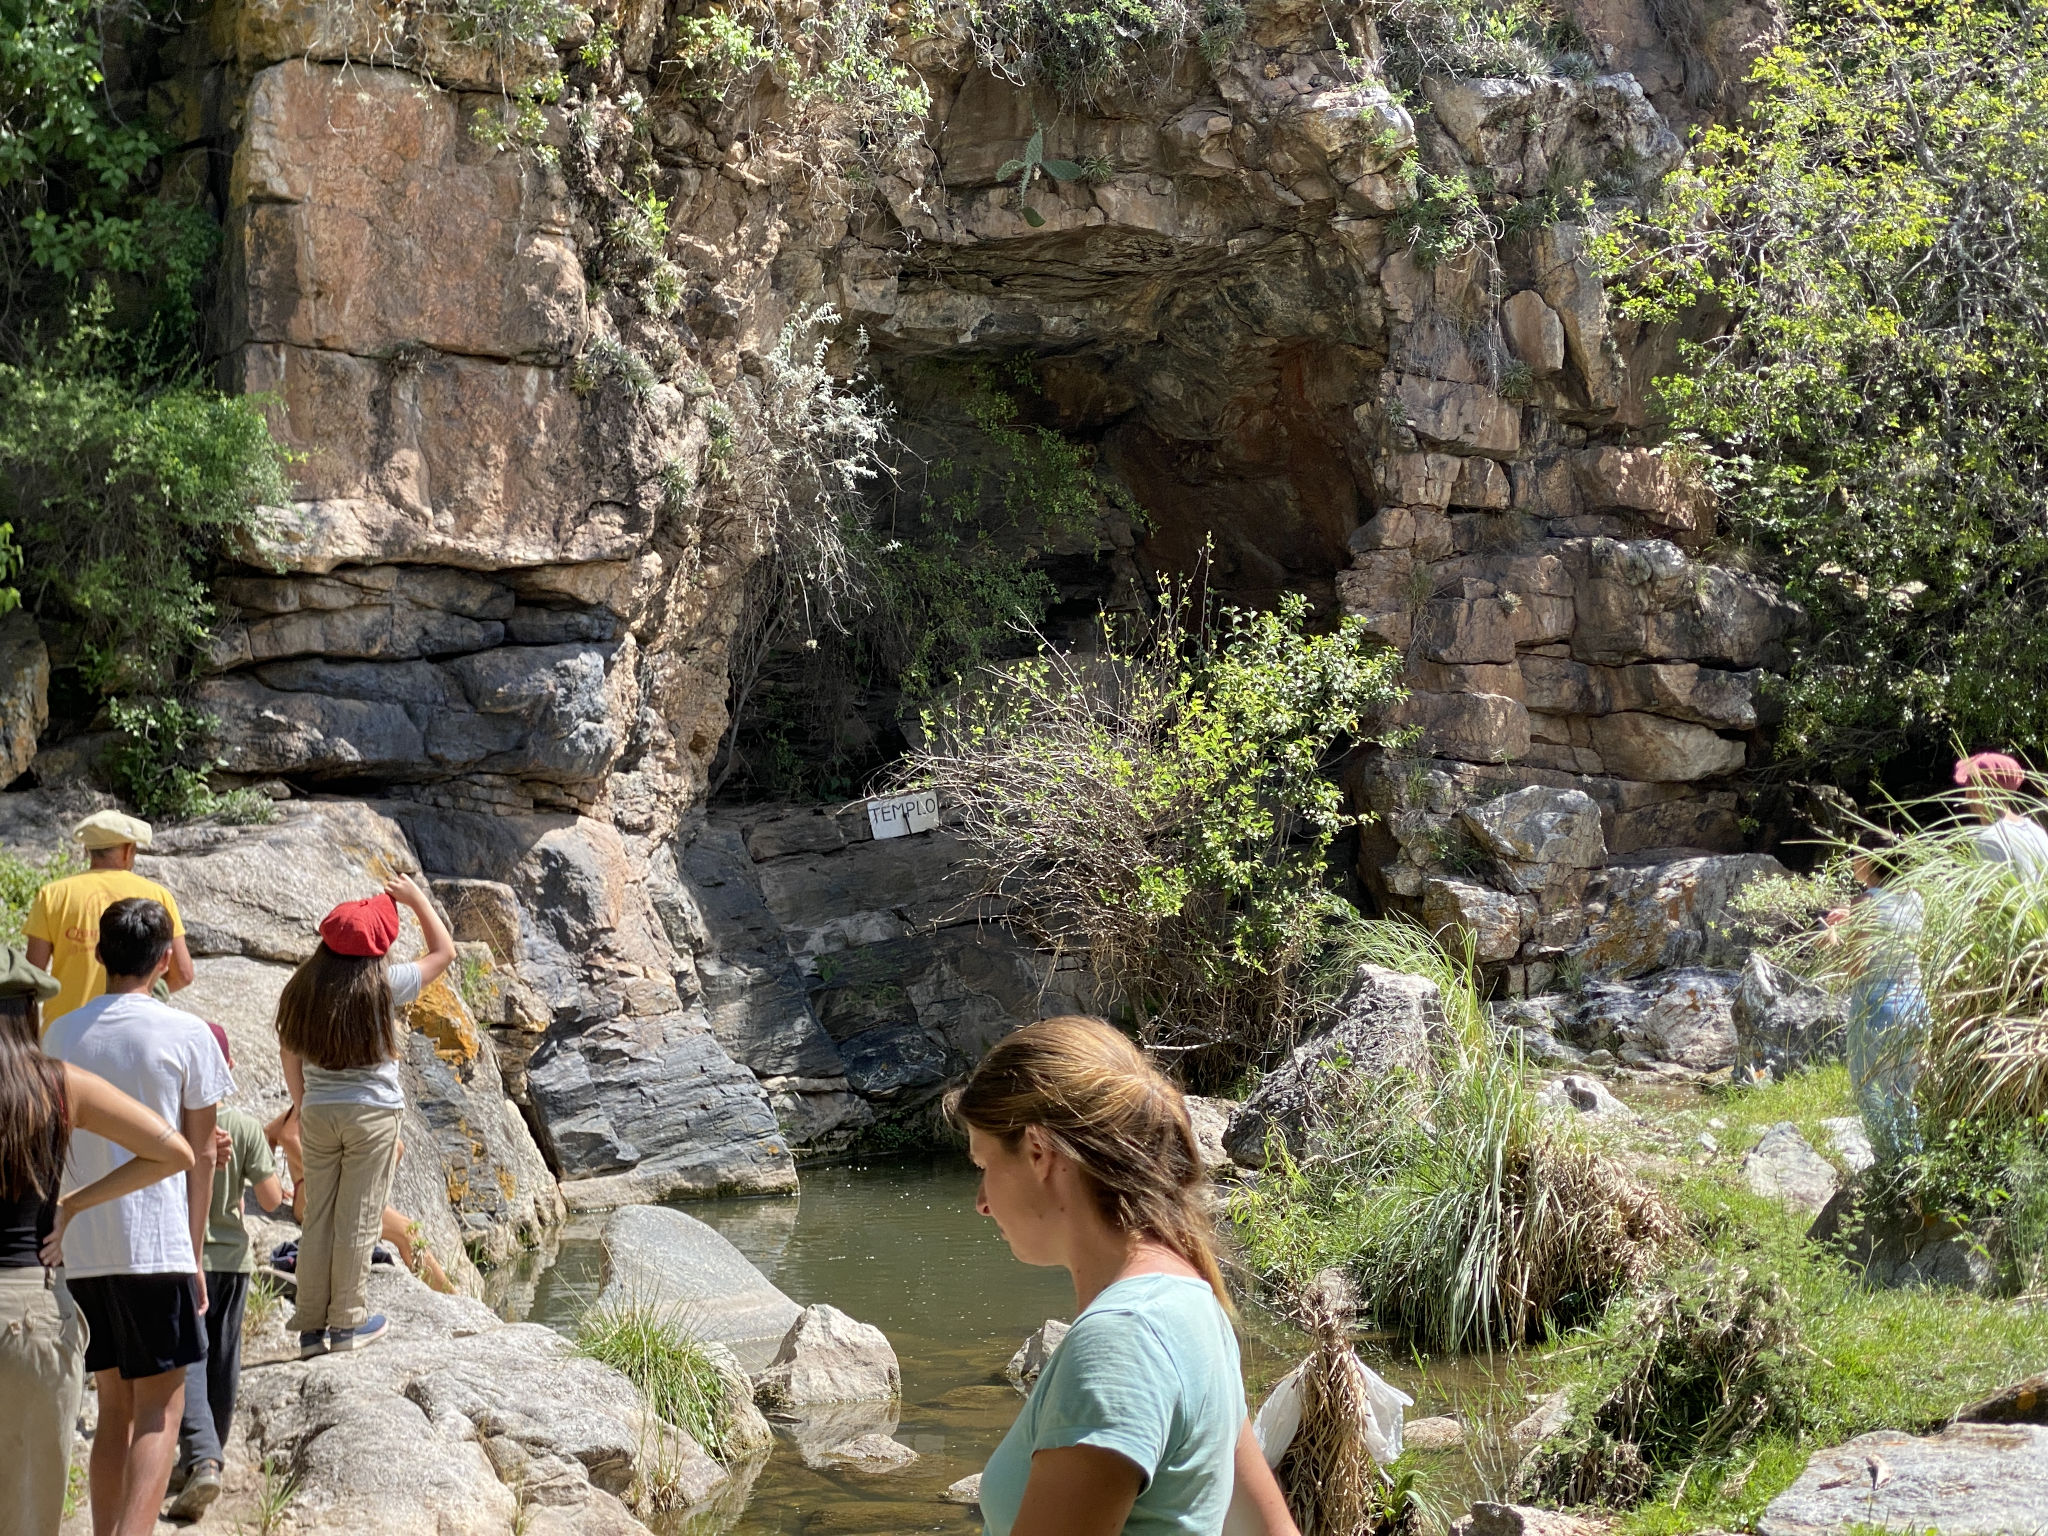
point(96, 1105)
point(440, 947)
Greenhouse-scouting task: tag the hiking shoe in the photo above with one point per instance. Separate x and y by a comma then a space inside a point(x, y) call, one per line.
point(341, 1340)
point(311, 1344)
point(200, 1490)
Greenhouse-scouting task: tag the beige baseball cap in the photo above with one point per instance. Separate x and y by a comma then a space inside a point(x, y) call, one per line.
point(110, 829)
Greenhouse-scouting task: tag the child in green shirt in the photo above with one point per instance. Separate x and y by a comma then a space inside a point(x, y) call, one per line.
point(242, 1161)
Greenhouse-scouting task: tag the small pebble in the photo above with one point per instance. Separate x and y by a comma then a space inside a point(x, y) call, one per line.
point(966, 1491)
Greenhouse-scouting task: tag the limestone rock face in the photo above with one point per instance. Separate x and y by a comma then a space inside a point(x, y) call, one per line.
point(24, 694)
point(827, 1357)
point(1385, 1022)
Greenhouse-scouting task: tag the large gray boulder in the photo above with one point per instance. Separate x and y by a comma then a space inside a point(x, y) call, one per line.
point(463, 1425)
point(1683, 1017)
point(662, 1259)
point(1652, 917)
point(1540, 825)
point(1783, 1022)
point(1784, 1167)
point(827, 1357)
point(1967, 1480)
point(1385, 1022)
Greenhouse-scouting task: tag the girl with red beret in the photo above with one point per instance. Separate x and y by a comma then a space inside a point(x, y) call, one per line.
point(337, 1024)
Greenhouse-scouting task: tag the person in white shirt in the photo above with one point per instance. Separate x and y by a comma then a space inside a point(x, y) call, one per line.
point(1989, 781)
point(132, 1264)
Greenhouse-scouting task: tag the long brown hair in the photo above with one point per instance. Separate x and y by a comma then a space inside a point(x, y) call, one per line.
point(336, 1012)
point(1098, 1100)
point(34, 1129)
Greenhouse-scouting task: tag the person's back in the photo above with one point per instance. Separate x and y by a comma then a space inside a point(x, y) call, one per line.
point(1149, 1370)
point(63, 925)
point(2018, 841)
point(165, 1059)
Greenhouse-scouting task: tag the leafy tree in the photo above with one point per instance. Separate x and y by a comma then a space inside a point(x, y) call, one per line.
point(1876, 234)
point(1166, 801)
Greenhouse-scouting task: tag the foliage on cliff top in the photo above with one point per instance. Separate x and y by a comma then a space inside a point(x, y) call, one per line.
point(1166, 801)
point(124, 475)
point(1877, 227)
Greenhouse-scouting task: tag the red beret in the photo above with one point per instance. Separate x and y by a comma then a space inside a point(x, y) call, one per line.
point(1992, 768)
point(366, 927)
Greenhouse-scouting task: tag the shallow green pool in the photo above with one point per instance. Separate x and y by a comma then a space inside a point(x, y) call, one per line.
point(896, 1244)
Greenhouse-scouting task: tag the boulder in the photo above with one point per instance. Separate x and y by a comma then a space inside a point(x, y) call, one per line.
point(1438, 1433)
point(1783, 1166)
point(1899, 1247)
point(438, 1431)
point(817, 1430)
point(1539, 825)
point(1534, 332)
point(1489, 1519)
point(1783, 1022)
point(1966, 1480)
point(1475, 727)
point(1492, 920)
point(1689, 1020)
point(827, 1357)
point(1464, 416)
point(1653, 916)
point(1850, 1143)
point(24, 693)
point(867, 1453)
point(966, 1491)
point(662, 1259)
point(1385, 1023)
point(1033, 1353)
point(1575, 1094)
point(2024, 1402)
point(482, 912)
point(1549, 1417)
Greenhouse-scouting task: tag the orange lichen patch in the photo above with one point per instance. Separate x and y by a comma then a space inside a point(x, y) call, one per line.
point(442, 1016)
point(508, 1184)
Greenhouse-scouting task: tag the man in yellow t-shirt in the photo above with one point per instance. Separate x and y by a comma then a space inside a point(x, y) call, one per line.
point(63, 928)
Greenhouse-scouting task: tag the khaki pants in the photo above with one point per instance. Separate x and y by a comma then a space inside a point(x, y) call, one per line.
point(42, 1374)
point(350, 1153)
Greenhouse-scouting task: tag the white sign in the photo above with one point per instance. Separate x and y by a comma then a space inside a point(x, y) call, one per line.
point(900, 815)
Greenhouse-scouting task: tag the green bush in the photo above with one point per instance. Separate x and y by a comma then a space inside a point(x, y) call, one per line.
point(1166, 802)
point(1465, 1213)
point(21, 878)
point(1874, 229)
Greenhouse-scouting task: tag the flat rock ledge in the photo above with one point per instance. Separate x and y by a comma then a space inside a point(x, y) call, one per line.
point(1968, 1480)
point(460, 1424)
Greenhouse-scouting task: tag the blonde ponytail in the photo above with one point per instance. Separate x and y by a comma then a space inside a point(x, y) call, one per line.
point(1098, 1100)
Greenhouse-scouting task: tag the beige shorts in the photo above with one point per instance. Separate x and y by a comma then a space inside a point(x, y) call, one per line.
point(42, 1374)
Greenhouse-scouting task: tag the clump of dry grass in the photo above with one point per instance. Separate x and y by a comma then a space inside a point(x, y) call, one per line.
point(1685, 1369)
point(1328, 1475)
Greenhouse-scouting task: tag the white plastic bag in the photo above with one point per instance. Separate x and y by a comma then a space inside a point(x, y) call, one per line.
point(1278, 1420)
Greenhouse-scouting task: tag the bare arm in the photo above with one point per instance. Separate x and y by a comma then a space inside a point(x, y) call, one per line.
point(96, 1105)
point(1079, 1490)
point(440, 947)
point(39, 953)
point(1257, 1492)
point(198, 1127)
point(294, 1077)
point(182, 973)
point(269, 1192)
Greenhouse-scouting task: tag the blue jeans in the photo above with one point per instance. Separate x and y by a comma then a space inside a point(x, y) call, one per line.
point(1887, 1023)
point(210, 1383)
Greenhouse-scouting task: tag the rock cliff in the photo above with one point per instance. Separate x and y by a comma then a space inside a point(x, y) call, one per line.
point(532, 344)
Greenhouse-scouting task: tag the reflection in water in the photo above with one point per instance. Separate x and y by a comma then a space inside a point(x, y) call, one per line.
point(896, 1244)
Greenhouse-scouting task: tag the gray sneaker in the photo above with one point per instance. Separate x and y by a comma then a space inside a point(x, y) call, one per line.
point(341, 1340)
point(200, 1490)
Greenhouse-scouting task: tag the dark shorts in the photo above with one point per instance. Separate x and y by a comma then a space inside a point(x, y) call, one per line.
point(141, 1325)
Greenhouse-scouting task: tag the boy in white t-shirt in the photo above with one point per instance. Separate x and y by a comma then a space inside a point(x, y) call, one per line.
point(132, 1265)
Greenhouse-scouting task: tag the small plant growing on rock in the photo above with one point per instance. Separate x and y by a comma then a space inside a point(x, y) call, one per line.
point(1029, 168)
point(682, 1381)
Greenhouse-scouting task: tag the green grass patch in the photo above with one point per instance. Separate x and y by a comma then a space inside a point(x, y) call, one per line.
point(678, 1376)
point(1736, 1117)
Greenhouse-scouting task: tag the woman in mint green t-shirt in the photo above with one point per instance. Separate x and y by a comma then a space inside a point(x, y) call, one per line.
point(1137, 1422)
